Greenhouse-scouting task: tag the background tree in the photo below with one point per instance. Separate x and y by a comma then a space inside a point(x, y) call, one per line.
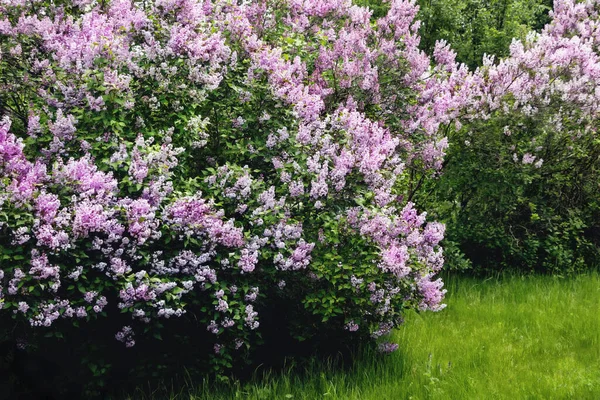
point(477, 27)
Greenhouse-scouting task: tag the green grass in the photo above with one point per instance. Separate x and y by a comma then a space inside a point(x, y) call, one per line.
point(512, 337)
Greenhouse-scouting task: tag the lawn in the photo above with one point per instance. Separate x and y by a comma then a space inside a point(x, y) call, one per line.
point(533, 337)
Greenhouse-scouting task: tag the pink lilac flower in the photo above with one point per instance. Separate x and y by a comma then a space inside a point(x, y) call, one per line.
point(351, 326)
point(388, 347)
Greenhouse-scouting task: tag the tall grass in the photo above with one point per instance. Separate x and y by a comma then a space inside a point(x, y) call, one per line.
point(510, 337)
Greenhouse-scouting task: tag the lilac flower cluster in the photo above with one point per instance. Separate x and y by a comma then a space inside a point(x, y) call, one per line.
point(550, 77)
point(125, 335)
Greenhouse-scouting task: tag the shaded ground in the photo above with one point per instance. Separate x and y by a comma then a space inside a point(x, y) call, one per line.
point(534, 337)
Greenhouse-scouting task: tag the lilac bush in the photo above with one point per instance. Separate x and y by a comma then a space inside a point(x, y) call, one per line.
point(521, 176)
point(208, 160)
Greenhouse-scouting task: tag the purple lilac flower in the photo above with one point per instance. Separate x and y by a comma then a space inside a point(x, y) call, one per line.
point(387, 347)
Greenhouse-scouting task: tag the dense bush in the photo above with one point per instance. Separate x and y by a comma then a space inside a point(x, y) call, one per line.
point(209, 162)
point(521, 178)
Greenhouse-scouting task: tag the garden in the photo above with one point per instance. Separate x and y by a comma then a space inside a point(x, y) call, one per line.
point(299, 199)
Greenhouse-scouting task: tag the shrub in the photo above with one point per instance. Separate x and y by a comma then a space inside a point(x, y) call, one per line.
point(520, 182)
point(208, 163)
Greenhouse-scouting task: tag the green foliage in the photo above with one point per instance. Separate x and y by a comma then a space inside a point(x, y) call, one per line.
point(477, 27)
point(504, 213)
